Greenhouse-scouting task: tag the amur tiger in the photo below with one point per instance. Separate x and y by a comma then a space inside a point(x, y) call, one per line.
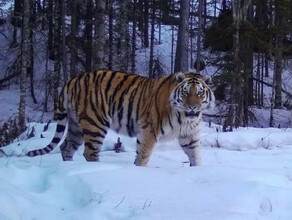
point(150, 109)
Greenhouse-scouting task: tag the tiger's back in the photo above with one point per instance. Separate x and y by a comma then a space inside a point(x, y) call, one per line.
point(129, 104)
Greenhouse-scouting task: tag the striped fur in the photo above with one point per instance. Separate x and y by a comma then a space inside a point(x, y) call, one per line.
point(164, 108)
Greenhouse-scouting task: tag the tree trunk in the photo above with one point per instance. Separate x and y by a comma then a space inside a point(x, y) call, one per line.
point(151, 57)
point(57, 52)
point(146, 23)
point(24, 62)
point(246, 54)
point(278, 74)
point(16, 21)
point(64, 50)
point(133, 54)
point(199, 35)
point(73, 38)
point(236, 102)
point(182, 47)
point(111, 34)
point(17, 12)
point(31, 67)
point(172, 49)
point(123, 26)
point(88, 35)
point(99, 33)
point(278, 58)
point(51, 28)
point(224, 5)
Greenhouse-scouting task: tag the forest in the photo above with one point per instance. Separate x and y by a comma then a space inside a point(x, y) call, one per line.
point(245, 45)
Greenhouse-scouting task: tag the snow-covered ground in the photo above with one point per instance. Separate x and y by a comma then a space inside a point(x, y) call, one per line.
point(246, 174)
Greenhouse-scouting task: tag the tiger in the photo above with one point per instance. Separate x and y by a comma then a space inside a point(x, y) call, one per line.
point(149, 109)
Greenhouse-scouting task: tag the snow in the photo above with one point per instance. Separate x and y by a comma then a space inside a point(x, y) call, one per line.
point(246, 174)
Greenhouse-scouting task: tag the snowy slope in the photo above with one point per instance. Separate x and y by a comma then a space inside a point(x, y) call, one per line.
point(251, 181)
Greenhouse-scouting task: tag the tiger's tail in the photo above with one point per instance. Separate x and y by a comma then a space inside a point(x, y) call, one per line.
point(61, 116)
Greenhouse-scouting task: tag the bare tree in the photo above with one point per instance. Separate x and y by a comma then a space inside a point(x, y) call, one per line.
point(278, 57)
point(151, 57)
point(25, 49)
point(146, 23)
point(51, 28)
point(73, 38)
point(122, 29)
point(88, 35)
point(133, 54)
point(199, 35)
point(57, 52)
point(236, 105)
point(99, 33)
point(181, 55)
point(64, 50)
point(16, 20)
point(111, 33)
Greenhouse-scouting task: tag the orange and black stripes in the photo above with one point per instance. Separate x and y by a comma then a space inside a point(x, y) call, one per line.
point(97, 101)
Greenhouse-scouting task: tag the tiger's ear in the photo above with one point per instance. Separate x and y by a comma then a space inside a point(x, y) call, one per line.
point(207, 79)
point(180, 76)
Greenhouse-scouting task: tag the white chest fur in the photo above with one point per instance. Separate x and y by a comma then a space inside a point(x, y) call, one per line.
point(190, 126)
point(187, 127)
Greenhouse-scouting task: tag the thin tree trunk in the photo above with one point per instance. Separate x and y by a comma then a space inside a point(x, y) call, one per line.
point(266, 64)
point(257, 84)
point(151, 58)
point(41, 8)
point(99, 33)
point(24, 63)
point(192, 31)
point(172, 49)
point(31, 69)
point(172, 42)
point(278, 58)
point(271, 122)
point(111, 38)
point(123, 26)
point(88, 35)
point(73, 38)
point(133, 55)
point(64, 51)
point(182, 47)
point(261, 84)
point(246, 53)
point(146, 23)
point(199, 35)
point(51, 28)
point(47, 85)
point(57, 52)
point(205, 13)
point(17, 12)
point(278, 75)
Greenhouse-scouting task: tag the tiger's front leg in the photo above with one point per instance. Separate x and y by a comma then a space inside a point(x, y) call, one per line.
point(145, 145)
point(191, 146)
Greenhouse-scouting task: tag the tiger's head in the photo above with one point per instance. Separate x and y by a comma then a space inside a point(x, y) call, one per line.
point(192, 94)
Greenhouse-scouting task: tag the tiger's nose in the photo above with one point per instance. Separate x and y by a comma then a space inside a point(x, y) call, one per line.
point(193, 107)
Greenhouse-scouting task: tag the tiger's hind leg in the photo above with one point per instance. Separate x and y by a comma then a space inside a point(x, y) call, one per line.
point(93, 139)
point(73, 140)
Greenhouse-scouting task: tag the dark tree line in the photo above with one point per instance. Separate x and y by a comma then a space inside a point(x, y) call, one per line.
point(255, 37)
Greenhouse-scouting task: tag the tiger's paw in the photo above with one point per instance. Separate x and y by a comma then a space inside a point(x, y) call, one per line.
point(140, 163)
